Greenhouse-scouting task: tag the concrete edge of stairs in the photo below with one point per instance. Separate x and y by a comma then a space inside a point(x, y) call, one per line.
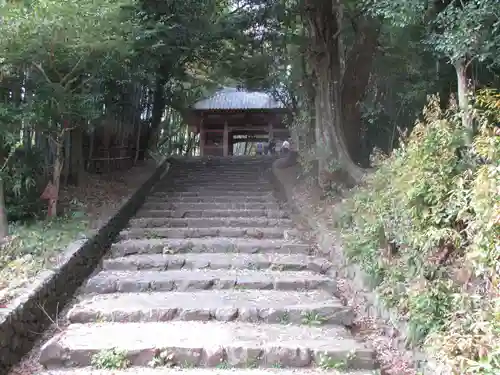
point(26, 316)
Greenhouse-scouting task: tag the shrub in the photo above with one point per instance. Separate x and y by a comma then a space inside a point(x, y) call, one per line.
point(425, 227)
point(22, 185)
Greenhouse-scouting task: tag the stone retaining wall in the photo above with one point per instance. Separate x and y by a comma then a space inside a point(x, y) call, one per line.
point(32, 313)
point(328, 245)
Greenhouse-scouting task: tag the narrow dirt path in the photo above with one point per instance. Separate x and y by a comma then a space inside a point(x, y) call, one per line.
point(209, 276)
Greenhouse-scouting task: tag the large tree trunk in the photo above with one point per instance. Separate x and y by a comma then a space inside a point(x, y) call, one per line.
point(325, 18)
point(4, 227)
point(354, 83)
point(77, 168)
point(157, 112)
point(307, 140)
point(56, 176)
point(463, 95)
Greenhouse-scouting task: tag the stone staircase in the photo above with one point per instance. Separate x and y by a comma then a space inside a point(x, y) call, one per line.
point(209, 279)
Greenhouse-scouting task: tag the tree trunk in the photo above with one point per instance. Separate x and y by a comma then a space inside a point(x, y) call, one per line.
point(307, 140)
point(463, 95)
point(56, 177)
point(138, 142)
point(324, 25)
point(4, 226)
point(157, 112)
point(67, 146)
point(77, 169)
point(91, 149)
point(354, 83)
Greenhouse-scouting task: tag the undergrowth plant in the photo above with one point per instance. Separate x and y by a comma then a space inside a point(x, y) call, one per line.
point(426, 228)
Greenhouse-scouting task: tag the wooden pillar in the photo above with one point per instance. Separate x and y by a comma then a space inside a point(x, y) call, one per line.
point(271, 131)
point(203, 137)
point(225, 142)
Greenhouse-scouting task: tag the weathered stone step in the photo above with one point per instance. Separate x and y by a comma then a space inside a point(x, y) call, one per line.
point(221, 213)
point(238, 168)
point(217, 179)
point(268, 233)
point(223, 370)
point(211, 192)
point(218, 176)
point(207, 222)
point(207, 245)
point(205, 344)
point(225, 165)
point(215, 189)
point(231, 175)
point(212, 199)
point(220, 181)
point(216, 261)
point(269, 306)
point(196, 206)
point(182, 280)
point(221, 184)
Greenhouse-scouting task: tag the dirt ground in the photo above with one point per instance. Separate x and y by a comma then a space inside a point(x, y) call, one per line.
point(102, 194)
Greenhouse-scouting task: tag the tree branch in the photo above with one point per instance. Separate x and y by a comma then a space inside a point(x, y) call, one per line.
point(41, 70)
point(68, 76)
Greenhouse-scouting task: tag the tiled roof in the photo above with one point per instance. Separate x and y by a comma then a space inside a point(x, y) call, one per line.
point(232, 98)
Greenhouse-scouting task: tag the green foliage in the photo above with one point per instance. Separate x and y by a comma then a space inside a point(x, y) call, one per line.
point(471, 28)
point(429, 215)
point(23, 185)
point(33, 246)
point(59, 52)
point(21, 169)
point(112, 359)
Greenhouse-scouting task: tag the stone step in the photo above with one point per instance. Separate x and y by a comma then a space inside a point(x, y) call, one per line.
point(235, 182)
point(226, 170)
point(207, 344)
point(221, 213)
point(250, 180)
point(216, 261)
point(230, 174)
point(225, 188)
point(211, 192)
point(219, 185)
point(238, 168)
point(207, 222)
point(269, 306)
point(267, 233)
point(207, 245)
point(215, 175)
point(217, 179)
point(221, 369)
point(182, 280)
point(212, 199)
point(197, 206)
point(226, 164)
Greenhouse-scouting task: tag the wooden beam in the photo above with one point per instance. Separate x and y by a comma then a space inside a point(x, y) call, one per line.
point(280, 131)
point(214, 131)
point(225, 142)
point(249, 128)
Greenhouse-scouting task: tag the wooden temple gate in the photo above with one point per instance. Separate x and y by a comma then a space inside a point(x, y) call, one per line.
point(231, 116)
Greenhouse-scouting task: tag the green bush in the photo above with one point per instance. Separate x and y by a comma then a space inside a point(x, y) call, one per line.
point(425, 227)
point(22, 185)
